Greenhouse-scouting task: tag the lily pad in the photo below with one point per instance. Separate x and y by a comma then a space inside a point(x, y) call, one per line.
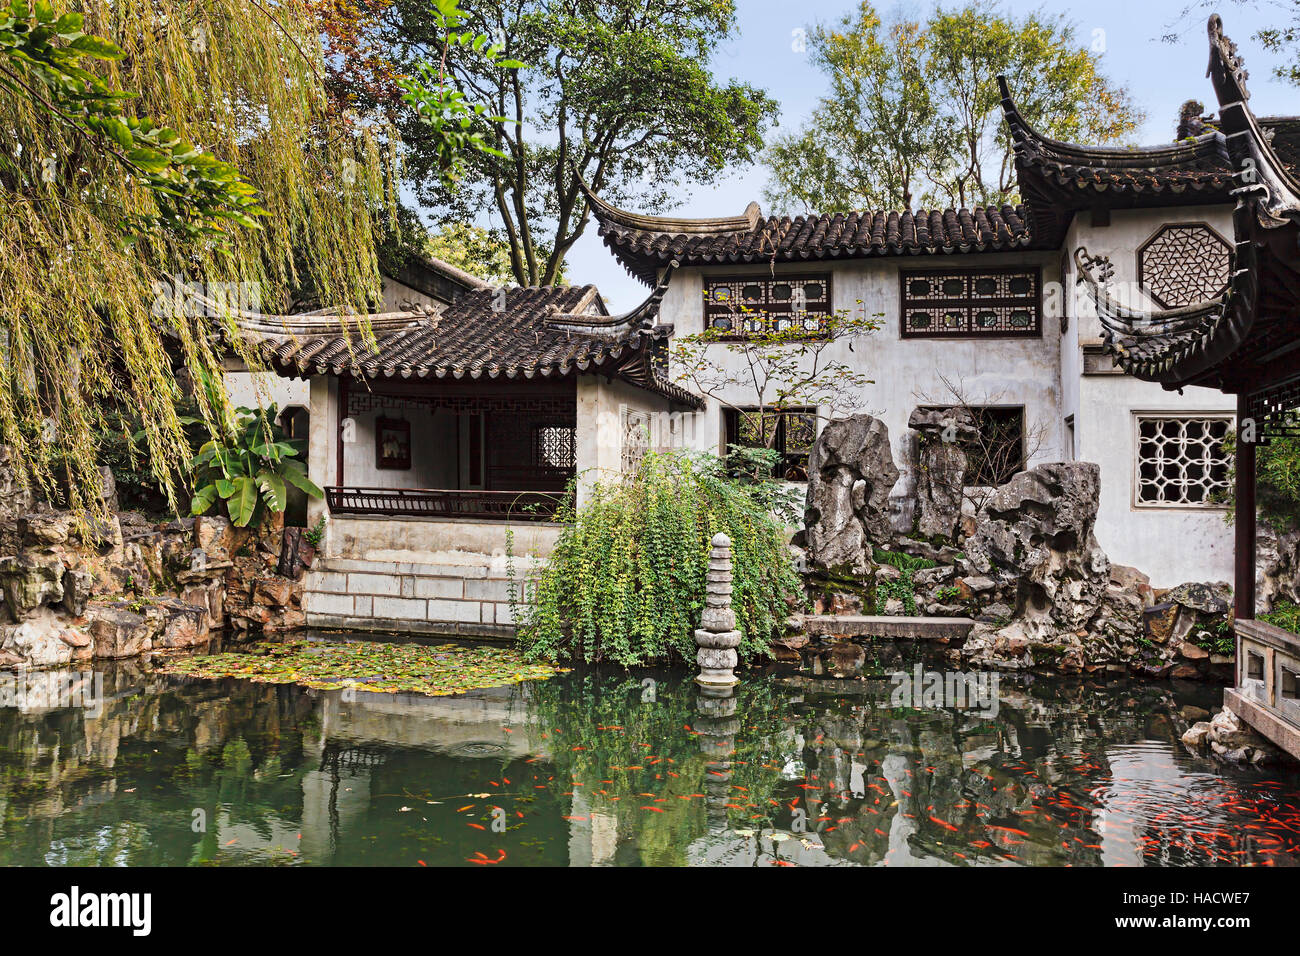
point(433, 670)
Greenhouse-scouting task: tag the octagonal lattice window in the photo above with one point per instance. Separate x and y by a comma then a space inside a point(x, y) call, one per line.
point(1181, 462)
point(1184, 263)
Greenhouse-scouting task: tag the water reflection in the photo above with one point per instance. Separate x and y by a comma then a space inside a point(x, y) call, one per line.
point(792, 768)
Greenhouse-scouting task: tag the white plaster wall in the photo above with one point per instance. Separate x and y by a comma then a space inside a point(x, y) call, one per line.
point(322, 446)
point(260, 389)
point(1172, 545)
point(599, 439)
point(907, 372)
point(433, 449)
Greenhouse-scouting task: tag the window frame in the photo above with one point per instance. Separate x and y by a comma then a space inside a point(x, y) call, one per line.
point(712, 308)
point(1135, 457)
point(731, 434)
point(969, 304)
point(978, 410)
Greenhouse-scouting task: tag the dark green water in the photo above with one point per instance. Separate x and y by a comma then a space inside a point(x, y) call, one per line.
point(627, 769)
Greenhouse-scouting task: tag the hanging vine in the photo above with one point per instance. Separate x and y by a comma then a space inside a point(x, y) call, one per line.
point(626, 579)
point(151, 141)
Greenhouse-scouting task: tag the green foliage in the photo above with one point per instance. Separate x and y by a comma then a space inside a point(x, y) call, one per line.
point(195, 194)
point(1277, 482)
point(480, 252)
point(902, 589)
point(626, 580)
point(949, 592)
point(247, 470)
point(913, 117)
point(103, 196)
point(316, 534)
point(1284, 40)
point(619, 92)
point(756, 468)
point(1286, 615)
point(457, 126)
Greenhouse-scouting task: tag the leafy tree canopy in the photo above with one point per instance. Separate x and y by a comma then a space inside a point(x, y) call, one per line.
point(616, 91)
point(912, 117)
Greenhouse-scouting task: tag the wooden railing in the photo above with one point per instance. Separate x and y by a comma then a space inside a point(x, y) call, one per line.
point(446, 503)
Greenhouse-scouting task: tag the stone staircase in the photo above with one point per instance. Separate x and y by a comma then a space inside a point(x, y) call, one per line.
point(464, 599)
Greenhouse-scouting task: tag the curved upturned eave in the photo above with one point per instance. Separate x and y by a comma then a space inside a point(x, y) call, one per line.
point(640, 222)
point(1037, 146)
point(1276, 191)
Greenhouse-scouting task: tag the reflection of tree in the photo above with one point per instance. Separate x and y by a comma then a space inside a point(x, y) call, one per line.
point(174, 749)
point(630, 743)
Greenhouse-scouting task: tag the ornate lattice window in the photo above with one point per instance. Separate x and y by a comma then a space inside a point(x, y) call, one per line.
point(1181, 462)
point(1184, 263)
point(635, 425)
point(740, 307)
point(972, 303)
point(791, 432)
point(554, 446)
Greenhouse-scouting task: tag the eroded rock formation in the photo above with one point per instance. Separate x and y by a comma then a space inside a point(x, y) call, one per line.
point(71, 591)
point(851, 472)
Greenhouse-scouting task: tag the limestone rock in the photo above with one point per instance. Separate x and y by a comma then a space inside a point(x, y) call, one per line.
point(940, 479)
point(29, 580)
point(1035, 540)
point(214, 535)
point(1278, 566)
point(38, 641)
point(183, 625)
point(1159, 621)
point(851, 473)
point(78, 586)
point(1212, 599)
point(119, 631)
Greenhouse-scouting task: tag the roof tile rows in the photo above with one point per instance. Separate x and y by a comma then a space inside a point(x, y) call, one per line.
point(836, 235)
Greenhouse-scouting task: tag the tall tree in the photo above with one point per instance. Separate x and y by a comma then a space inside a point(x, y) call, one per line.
point(617, 92)
point(111, 213)
point(912, 115)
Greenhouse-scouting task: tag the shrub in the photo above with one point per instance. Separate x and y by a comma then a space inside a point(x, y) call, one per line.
point(626, 580)
point(903, 588)
point(246, 473)
point(1285, 615)
point(1277, 481)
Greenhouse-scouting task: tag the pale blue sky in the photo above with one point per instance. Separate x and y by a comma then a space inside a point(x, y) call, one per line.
point(1159, 75)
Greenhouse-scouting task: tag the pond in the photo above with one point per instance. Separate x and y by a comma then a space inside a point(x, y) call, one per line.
point(899, 766)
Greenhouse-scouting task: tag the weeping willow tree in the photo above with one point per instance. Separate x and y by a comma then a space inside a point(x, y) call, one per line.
point(147, 141)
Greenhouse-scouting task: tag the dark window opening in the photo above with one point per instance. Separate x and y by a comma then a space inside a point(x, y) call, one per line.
point(997, 453)
point(1254, 666)
point(1289, 689)
point(295, 421)
point(790, 432)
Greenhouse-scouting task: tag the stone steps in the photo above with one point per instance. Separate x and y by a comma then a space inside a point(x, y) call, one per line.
point(872, 625)
point(469, 599)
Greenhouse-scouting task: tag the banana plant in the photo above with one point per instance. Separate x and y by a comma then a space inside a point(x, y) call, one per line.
point(248, 471)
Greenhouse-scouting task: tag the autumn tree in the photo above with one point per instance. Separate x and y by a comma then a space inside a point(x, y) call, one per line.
point(777, 374)
point(912, 117)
